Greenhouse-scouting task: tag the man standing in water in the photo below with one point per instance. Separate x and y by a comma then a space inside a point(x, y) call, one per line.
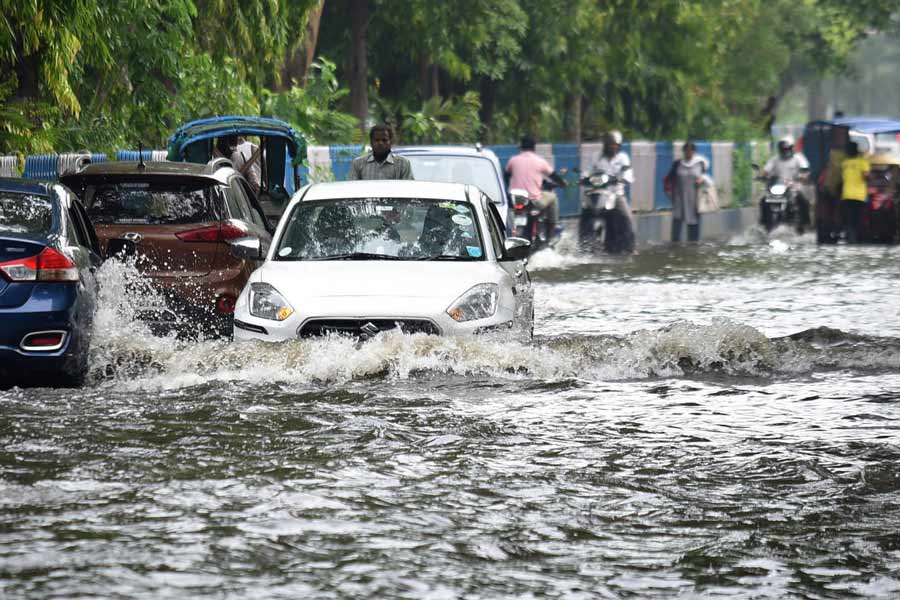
point(854, 171)
point(380, 163)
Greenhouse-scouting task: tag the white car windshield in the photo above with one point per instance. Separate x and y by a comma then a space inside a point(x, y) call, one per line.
point(471, 170)
point(381, 229)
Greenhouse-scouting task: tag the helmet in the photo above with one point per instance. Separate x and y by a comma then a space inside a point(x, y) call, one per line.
point(786, 144)
point(613, 137)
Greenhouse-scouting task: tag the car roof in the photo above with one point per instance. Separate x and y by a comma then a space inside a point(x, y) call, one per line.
point(24, 186)
point(151, 169)
point(388, 188)
point(446, 151)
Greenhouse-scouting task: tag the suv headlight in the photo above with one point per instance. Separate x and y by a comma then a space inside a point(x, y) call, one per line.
point(479, 302)
point(267, 303)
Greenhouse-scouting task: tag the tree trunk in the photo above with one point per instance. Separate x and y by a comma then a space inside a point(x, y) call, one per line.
point(573, 117)
point(488, 89)
point(435, 85)
point(359, 66)
point(816, 103)
point(298, 62)
point(27, 70)
point(428, 78)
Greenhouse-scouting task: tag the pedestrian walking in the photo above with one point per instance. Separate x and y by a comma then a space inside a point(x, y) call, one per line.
point(683, 184)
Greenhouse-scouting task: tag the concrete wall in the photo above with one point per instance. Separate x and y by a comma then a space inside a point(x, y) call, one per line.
point(651, 162)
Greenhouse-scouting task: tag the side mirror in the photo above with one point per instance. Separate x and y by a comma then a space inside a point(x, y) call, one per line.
point(247, 248)
point(516, 249)
point(120, 248)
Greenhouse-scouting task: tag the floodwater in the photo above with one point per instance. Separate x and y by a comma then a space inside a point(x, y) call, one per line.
point(712, 421)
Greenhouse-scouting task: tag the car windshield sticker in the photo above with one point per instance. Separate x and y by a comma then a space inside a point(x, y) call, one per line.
point(285, 251)
point(462, 220)
point(474, 251)
point(461, 208)
point(447, 205)
point(466, 234)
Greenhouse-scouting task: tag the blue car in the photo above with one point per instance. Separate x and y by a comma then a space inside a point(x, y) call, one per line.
point(48, 292)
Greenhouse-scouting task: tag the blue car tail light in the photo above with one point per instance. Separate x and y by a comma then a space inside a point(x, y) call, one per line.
point(49, 265)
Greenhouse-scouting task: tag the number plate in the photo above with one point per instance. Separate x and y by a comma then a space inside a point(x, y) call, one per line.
point(771, 200)
point(521, 221)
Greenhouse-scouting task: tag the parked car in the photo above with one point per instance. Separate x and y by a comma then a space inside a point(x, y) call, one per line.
point(48, 254)
point(282, 150)
point(473, 165)
point(182, 218)
point(361, 257)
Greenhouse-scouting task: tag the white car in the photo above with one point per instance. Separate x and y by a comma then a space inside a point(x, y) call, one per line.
point(360, 257)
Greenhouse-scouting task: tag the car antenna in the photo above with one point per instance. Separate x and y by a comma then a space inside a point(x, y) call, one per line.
point(141, 166)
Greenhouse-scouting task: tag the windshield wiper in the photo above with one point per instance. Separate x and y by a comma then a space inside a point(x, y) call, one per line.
point(448, 257)
point(357, 256)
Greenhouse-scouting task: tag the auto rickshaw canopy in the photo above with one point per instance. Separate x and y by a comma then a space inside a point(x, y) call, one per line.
point(283, 148)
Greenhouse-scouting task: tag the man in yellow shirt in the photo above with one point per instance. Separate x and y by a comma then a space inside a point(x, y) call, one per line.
point(854, 171)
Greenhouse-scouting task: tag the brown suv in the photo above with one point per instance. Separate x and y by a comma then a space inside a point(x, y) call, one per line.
point(181, 218)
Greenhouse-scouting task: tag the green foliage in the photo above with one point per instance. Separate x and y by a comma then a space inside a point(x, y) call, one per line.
point(437, 121)
point(312, 108)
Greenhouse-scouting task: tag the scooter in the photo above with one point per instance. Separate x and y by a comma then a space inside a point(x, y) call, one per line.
point(603, 226)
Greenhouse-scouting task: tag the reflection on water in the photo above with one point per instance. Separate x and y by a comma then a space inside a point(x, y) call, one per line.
point(701, 421)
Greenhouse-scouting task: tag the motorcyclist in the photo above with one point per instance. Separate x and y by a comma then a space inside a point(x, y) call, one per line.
point(616, 163)
point(526, 170)
point(790, 168)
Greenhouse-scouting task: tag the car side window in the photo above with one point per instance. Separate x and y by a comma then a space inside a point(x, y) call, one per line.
point(232, 202)
point(76, 229)
point(255, 212)
point(241, 199)
point(88, 226)
point(496, 235)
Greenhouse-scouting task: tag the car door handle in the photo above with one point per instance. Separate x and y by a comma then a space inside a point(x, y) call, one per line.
point(131, 236)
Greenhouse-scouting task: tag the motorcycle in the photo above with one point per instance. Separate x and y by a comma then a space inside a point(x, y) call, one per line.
point(530, 220)
point(602, 225)
point(783, 203)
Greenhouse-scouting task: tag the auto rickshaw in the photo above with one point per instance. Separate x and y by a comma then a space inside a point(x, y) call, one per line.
point(879, 140)
point(282, 150)
point(882, 215)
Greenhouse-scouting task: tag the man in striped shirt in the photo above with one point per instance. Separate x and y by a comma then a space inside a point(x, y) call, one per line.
point(380, 163)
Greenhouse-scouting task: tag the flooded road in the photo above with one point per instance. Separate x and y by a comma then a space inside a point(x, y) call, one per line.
point(713, 421)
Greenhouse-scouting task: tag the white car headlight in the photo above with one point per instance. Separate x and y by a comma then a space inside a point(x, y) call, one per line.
point(479, 302)
point(267, 303)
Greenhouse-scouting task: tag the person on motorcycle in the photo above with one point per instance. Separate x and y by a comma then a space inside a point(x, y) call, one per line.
point(616, 163)
point(790, 168)
point(526, 170)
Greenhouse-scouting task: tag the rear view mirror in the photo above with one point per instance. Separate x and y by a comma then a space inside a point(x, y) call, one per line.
point(119, 248)
point(246, 248)
point(516, 249)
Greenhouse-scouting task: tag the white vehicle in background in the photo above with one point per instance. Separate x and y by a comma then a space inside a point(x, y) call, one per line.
point(473, 165)
point(360, 257)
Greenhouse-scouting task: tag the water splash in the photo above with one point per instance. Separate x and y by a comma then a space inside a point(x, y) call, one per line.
point(682, 349)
